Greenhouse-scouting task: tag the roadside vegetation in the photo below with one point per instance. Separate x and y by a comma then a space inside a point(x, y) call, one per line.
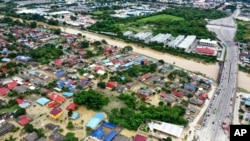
point(243, 32)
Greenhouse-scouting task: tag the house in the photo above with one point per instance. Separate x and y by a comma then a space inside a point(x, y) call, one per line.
point(31, 137)
point(144, 93)
point(20, 89)
point(57, 98)
point(12, 85)
point(56, 113)
point(121, 137)
point(204, 86)
point(111, 85)
point(23, 58)
point(4, 91)
point(203, 96)
point(144, 77)
point(170, 98)
point(52, 127)
point(121, 89)
point(163, 95)
point(139, 138)
point(95, 121)
point(153, 79)
point(56, 136)
point(6, 127)
point(190, 87)
point(72, 106)
point(177, 93)
point(196, 101)
point(52, 104)
point(23, 119)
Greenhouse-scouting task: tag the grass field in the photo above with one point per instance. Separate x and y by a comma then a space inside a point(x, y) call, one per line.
point(161, 17)
point(11, 109)
point(243, 32)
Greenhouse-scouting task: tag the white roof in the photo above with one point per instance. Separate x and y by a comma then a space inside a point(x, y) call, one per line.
point(60, 13)
point(187, 42)
point(176, 41)
point(208, 41)
point(171, 129)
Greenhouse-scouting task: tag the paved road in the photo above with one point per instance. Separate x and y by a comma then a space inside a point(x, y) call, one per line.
point(221, 105)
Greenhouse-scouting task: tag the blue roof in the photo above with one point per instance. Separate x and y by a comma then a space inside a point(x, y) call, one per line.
point(93, 123)
point(68, 94)
point(128, 64)
point(70, 87)
point(5, 60)
point(247, 102)
point(60, 73)
point(98, 133)
point(25, 105)
point(23, 58)
point(60, 83)
point(139, 59)
point(191, 86)
point(110, 136)
point(75, 115)
point(105, 60)
point(32, 72)
point(109, 125)
point(42, 101)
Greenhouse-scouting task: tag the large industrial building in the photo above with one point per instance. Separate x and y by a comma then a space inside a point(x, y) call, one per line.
point(161, 38)
point(176, 41)
point(187, 42)
point(143, 36)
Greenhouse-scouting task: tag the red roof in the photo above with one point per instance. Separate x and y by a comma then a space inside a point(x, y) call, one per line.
point(23, 119)
point(19, 100)
point(55, 111)
point(111, 84)
point(57, 98)
point(116, 61)
point(52, 104)
point(203, 96)
point(178, 94)
point(12, 84)
point(4, 91)
point(4, 70)
point(163, 95)
point(140, 138)
point(97, 68)
point(207, 51)
point(72, 106)
point(58, 62)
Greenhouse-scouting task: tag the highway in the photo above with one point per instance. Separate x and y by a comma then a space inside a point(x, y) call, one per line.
point(221, 105)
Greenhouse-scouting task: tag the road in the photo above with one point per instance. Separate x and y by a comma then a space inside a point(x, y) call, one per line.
point(221, 105)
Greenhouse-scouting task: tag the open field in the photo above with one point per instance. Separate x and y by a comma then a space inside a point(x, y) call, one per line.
point(11, 109)
point(243, 32)
point(160, 18)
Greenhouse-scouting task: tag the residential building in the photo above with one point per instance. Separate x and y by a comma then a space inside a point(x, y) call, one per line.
point(140, 138)
point(56, 113)
point(56, 136)
point(31, 137)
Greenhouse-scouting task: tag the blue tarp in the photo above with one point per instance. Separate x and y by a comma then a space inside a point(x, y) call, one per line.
point(68, 94)
point(42, 101)
point(60, 83)
point(109, 125)
point(75, 115)
point(96, 120)
point(110, 136)
point(99, 133)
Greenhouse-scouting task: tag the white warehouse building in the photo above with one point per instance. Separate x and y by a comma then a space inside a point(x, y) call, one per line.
point(161, 38)
point(208, 43)
point(143, 36)
point(187, 42)
point(176, 41)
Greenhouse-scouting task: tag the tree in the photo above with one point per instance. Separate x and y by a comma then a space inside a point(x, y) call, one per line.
point(70, 137)
point(73, 18)
point(127, 49)
point(11, 138)
point(33, 25)
point(101, 85)
point(84, 44)
point(70, 125)
point(91, 99)
point(20, 111)
point(29, 128)
point(57, 31)
point(169, 139)
point(70, 112)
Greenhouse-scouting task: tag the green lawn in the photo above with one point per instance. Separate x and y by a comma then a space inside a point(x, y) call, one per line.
point(161, 17)
point(11, 109)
